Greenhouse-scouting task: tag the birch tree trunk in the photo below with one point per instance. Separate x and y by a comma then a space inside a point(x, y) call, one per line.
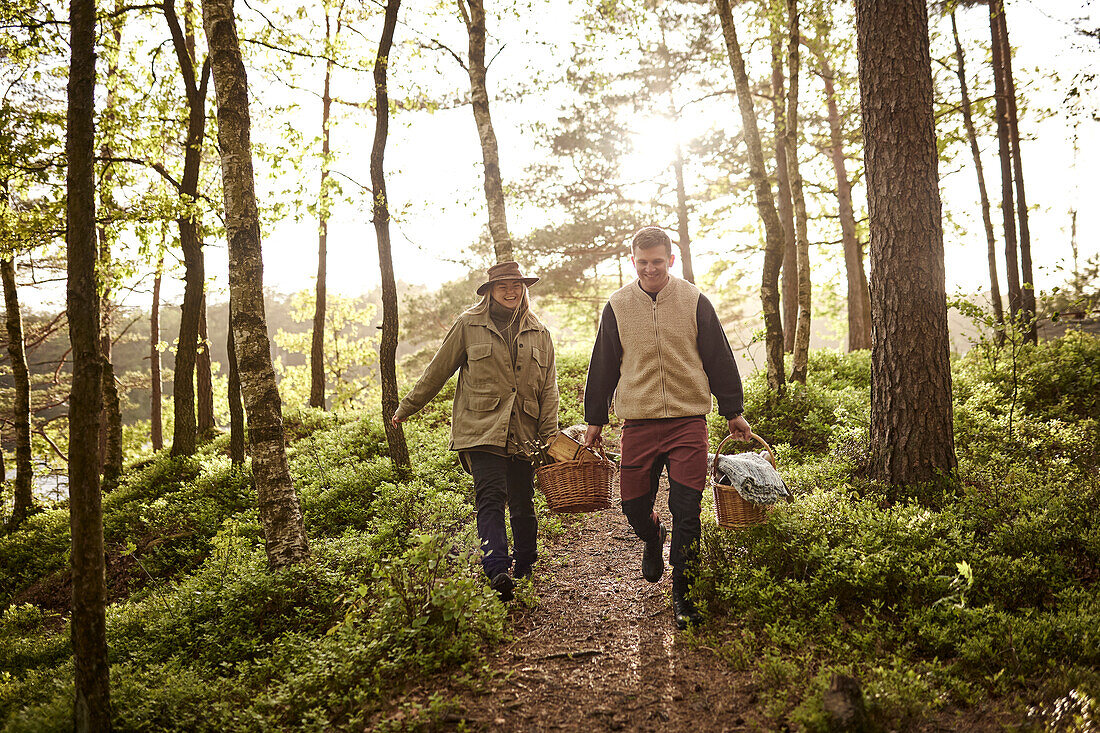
point(395, 435)
point(765, 204)
point(473, 15)
point(801, 356)
point(24, 468)
point(1008, 210)
point(987, 219)
point(911, 430)
point(783, 190)
point(92, 703)
point(280, 514)
point(236, 409)
point(156, 428)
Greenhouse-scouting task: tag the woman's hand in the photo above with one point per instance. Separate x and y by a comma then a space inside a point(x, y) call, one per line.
point(396, 421)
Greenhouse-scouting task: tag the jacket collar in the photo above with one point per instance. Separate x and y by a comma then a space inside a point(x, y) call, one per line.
point(664, 293)
point(529, 322)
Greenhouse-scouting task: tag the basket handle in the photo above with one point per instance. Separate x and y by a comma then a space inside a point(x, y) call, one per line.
point(754, 437)
point(594, 450)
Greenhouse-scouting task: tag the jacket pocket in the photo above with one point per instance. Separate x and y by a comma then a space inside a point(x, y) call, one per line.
point(483, 402)
point(531, 408)
point(540, 356)
point(478, 351)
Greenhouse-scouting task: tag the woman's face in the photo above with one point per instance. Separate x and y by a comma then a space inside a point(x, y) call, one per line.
point(509, 293)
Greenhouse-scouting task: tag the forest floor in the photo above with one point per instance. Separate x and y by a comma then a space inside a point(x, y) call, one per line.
point(599, 650)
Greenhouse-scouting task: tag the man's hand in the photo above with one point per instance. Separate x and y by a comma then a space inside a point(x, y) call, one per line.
point(740, 429)
point(592, 437)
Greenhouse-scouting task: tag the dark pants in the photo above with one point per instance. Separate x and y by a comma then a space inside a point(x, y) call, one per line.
point(499, 481)
point(684, 503)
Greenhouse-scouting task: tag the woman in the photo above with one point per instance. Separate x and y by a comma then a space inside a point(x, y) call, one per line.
point(507, 399)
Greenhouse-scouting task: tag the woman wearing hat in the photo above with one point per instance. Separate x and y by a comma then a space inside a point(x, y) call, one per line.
point(507, 398)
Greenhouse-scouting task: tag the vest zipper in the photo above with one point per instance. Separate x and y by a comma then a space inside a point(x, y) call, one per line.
point(660, 362)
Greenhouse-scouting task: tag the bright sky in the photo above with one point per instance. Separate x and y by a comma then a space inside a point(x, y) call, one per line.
point(435, 179)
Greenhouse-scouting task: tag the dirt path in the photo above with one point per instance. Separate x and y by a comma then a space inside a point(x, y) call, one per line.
point(600, 651)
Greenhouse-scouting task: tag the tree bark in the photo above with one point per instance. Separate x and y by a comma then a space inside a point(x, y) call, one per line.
point(911, 430)
point(280, 514)
point(975, 152)
point(765, 204)
point(204, 378)
point(236, 409)
point(683, 230)
point(92, 703)
point(473, 14)
point(1027, 278)
point(395, 435)
point(24, 468)
point(156, 429)
point(317, 346)
point(1008, 210)
point(789, 270)
point(859, 297)
point(801, 355)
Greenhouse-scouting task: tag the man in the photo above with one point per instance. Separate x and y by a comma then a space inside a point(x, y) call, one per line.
point(661, 352)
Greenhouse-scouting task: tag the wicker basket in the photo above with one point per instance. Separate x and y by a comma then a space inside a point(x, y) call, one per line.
point(577, 486)
point(733, 511)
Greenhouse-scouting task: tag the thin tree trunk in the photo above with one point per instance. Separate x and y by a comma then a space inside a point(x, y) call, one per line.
point(911, 430)
point(236, 409)
point(280, 514)
point(473, 14)
point(765, 204)
point(683, 229)
point(24, 469)
point(92, 704)
point(801, 356)
point(204, 379)
point(1008, 211)
point(987, 219)
point(156, 429)
point(395, 435)
point(317, 346)
point(859, 297)
point(783, 192)
point(1027, 279)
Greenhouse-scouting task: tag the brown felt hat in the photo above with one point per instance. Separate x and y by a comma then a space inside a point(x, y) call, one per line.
point(504, 271)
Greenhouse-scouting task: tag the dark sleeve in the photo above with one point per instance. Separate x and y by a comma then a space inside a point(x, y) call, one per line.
point(603, 370)
point(718, 361)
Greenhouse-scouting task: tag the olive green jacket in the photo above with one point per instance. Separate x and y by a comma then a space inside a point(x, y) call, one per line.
point(490, 391)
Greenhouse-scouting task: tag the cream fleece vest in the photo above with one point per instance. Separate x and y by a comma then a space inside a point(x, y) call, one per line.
point(662, 373)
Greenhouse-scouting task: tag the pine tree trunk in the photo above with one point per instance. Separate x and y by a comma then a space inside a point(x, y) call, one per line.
point(21, 417)
point(783, 192)
point(317, 346)
point(975, 152)
point(1008, 210)
point(911, 430)
point(236, 409)
point(801, 356)
point(683, 230)
point(280, 514)
point(473, 14)
point(859, 297)
point(156, 428)
point(92, 704)
point(204, 379)
point(765, 204)
point(1027, 278)
point(395, 435)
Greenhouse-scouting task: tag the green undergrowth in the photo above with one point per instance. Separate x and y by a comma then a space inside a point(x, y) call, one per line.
point(977, 592)
point(208, 638)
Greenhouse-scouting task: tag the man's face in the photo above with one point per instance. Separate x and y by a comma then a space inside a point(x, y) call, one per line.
point(652, 265)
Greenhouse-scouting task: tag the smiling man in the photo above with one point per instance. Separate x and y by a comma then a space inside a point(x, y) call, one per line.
point(661, 353)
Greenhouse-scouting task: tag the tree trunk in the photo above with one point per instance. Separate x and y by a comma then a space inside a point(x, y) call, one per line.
point(473, 14)
point(395, 435)
point(1027, 279)
point(92, 703)
point(765, 204)
point(236, 409)
point(280, 514)
point(801, 356)
point(987, 219)
point(24, 469)
point(683, 231)
point(911, 430)
point(783, 192)
point(859, 297)
point(204, 379)
point(317, 346)
point(156, 429)
point(1008, 211)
